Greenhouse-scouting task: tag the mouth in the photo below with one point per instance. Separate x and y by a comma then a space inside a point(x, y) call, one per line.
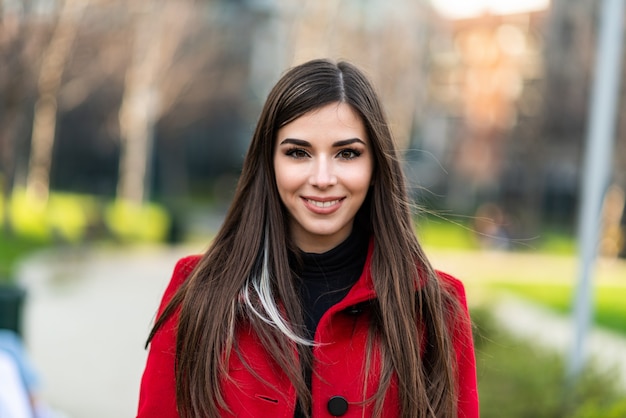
point(323, 204)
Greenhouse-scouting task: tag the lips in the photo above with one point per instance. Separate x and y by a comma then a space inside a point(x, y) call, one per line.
point(323, 206)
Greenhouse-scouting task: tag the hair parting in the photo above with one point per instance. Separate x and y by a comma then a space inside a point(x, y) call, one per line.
point(342, 87)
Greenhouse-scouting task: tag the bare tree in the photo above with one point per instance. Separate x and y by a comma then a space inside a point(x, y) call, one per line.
point(11, 98)
point(154, 82)
point(21, 43)
point(45, 116)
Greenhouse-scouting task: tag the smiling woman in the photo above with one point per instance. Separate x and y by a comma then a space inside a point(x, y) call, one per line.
point(315, 298)
point(323, 179)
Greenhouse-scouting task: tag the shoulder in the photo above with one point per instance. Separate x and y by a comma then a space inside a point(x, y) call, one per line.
point(182, 270)
point(185, 265)
point(157, 395)
point(453, 286)
point(450, 281)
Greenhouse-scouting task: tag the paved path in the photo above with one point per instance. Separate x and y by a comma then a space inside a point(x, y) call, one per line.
point(606, 351)
point(89, 312)
point(86, 320)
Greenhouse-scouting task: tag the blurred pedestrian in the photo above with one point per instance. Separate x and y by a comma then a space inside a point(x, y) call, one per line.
point(491, 227)
point(14, 399)
point(315, 297)
point(20, 395)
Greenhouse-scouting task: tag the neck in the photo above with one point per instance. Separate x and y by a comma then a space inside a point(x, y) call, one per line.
point(322, 243)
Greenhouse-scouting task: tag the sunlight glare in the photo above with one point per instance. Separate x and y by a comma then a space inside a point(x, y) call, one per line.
point(465, 9)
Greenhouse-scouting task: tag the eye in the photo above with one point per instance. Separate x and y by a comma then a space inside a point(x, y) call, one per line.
point(296, 153)
point(348, 154)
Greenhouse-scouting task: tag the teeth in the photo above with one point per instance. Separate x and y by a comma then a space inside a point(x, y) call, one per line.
point(323, 204)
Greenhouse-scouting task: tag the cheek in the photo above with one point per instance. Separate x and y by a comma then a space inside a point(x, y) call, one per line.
point(359, 180)
point(364, 184)
point(286, 179)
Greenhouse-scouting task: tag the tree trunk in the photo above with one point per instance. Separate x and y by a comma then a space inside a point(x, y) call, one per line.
point(12, 122)
point(139, 110)
point(151, 87)
point(50, 76)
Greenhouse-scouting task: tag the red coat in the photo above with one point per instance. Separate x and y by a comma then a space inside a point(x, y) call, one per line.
point(342, 332)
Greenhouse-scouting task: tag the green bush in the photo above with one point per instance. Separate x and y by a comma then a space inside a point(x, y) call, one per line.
point(66, 218)
point(63, 217)
point(598, 410)
point(516, 379)
point(137, 223)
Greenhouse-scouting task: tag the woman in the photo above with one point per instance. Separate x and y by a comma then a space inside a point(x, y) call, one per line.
point(315, 298)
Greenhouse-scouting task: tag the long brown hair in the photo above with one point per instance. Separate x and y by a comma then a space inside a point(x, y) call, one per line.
point(245, 273)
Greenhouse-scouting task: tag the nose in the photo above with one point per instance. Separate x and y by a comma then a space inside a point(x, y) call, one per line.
point(323, 175)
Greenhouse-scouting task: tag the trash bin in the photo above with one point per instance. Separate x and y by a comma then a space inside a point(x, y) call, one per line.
point(11, 306)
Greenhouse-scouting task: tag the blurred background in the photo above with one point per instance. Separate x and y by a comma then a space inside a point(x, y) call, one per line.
point(123, 127)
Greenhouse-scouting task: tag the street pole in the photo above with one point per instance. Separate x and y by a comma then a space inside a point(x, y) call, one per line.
point(598, 155)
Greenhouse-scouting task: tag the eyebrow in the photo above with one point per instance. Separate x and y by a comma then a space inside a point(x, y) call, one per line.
point(303, 143)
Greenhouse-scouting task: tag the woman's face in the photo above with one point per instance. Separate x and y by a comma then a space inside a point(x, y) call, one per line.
point(323, 164)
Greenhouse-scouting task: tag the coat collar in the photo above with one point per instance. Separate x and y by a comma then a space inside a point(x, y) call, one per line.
point(363, 289)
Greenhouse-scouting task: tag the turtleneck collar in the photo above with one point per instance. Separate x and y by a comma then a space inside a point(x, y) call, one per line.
point(325, 279)
point(336, 260)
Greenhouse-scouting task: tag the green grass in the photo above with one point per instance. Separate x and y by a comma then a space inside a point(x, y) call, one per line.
point(459, 233)
point(516, 379)
point(609, 306)
point(436, 232)
point(12, 249)
point(557, 242)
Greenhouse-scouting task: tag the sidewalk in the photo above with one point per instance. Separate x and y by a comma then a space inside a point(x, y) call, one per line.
point(606, 350)
point(87, 317)
point(89, 312)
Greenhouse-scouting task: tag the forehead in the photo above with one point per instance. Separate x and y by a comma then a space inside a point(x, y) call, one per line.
point(331, 121)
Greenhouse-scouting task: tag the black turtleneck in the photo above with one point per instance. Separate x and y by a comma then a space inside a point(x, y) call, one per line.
point(327, 278)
